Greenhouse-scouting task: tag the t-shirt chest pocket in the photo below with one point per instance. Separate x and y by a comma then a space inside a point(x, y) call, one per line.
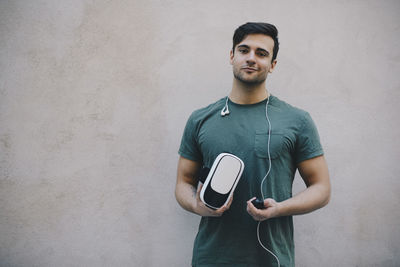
point(261, 145)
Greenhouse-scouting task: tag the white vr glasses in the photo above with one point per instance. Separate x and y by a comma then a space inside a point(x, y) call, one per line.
point(221, 180)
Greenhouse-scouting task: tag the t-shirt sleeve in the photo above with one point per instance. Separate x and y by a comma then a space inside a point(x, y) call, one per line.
point(189, 147)
point(308, 144)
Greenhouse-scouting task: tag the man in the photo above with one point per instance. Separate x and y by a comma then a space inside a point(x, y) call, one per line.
point(273, 139)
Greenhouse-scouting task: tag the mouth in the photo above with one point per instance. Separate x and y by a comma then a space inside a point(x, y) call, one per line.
point(249, 69)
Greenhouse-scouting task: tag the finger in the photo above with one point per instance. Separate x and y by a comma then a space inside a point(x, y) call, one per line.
point(251, 209)
point(199, 186)
point(251, 205)
point(228, 205)
point(221, 210)
point(254, 216)
point(250, 200)
point(225, 207)
point(269, 202)
point(254, 212)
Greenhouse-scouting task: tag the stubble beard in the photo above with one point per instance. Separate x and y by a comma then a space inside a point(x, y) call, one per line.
point(250, 82)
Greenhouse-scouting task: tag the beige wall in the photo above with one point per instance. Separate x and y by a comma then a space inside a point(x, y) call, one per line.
point(94, 96)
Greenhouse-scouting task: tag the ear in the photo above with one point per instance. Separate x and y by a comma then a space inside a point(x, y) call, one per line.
point(231, 56)
point(273, 64)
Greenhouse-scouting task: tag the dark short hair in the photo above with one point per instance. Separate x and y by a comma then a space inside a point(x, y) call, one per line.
point(254, 28)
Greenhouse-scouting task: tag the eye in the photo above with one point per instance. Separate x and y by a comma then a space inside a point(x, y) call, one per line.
point(263, 54)
point(243, 50)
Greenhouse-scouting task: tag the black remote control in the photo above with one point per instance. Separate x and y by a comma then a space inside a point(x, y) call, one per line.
point(259, 204)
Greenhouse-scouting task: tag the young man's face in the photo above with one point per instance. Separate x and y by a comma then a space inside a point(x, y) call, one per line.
point(251, 59)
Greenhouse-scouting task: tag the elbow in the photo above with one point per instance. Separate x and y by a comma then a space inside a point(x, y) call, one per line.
point(326, 196)
point(177, 195)
point(325, 201)
point(180, 195)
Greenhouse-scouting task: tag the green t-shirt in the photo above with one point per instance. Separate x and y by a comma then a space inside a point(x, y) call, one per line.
point(231, 240)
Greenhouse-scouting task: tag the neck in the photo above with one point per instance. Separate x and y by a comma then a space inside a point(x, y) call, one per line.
point(248, 94)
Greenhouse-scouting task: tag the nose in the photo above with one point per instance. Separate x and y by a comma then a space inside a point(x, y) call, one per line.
point(250, 58)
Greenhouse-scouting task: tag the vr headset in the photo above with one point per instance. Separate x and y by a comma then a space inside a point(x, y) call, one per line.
point(220, 181)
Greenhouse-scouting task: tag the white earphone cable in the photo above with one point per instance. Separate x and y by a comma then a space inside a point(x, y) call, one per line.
point(265, 177)
point(269, 155)
point(259, 241)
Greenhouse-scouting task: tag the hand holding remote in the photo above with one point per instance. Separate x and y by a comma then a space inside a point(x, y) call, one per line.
point(263, 210)
point(258, 203)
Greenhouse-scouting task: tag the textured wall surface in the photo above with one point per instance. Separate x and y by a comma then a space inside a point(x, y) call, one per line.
point(94, 96)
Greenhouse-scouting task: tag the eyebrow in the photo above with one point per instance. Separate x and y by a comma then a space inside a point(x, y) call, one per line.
point(258, 49)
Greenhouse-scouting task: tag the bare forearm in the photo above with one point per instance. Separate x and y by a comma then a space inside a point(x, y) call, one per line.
point(314, 197)
point(189, 198)
point(186, 196)
point(317, 194)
